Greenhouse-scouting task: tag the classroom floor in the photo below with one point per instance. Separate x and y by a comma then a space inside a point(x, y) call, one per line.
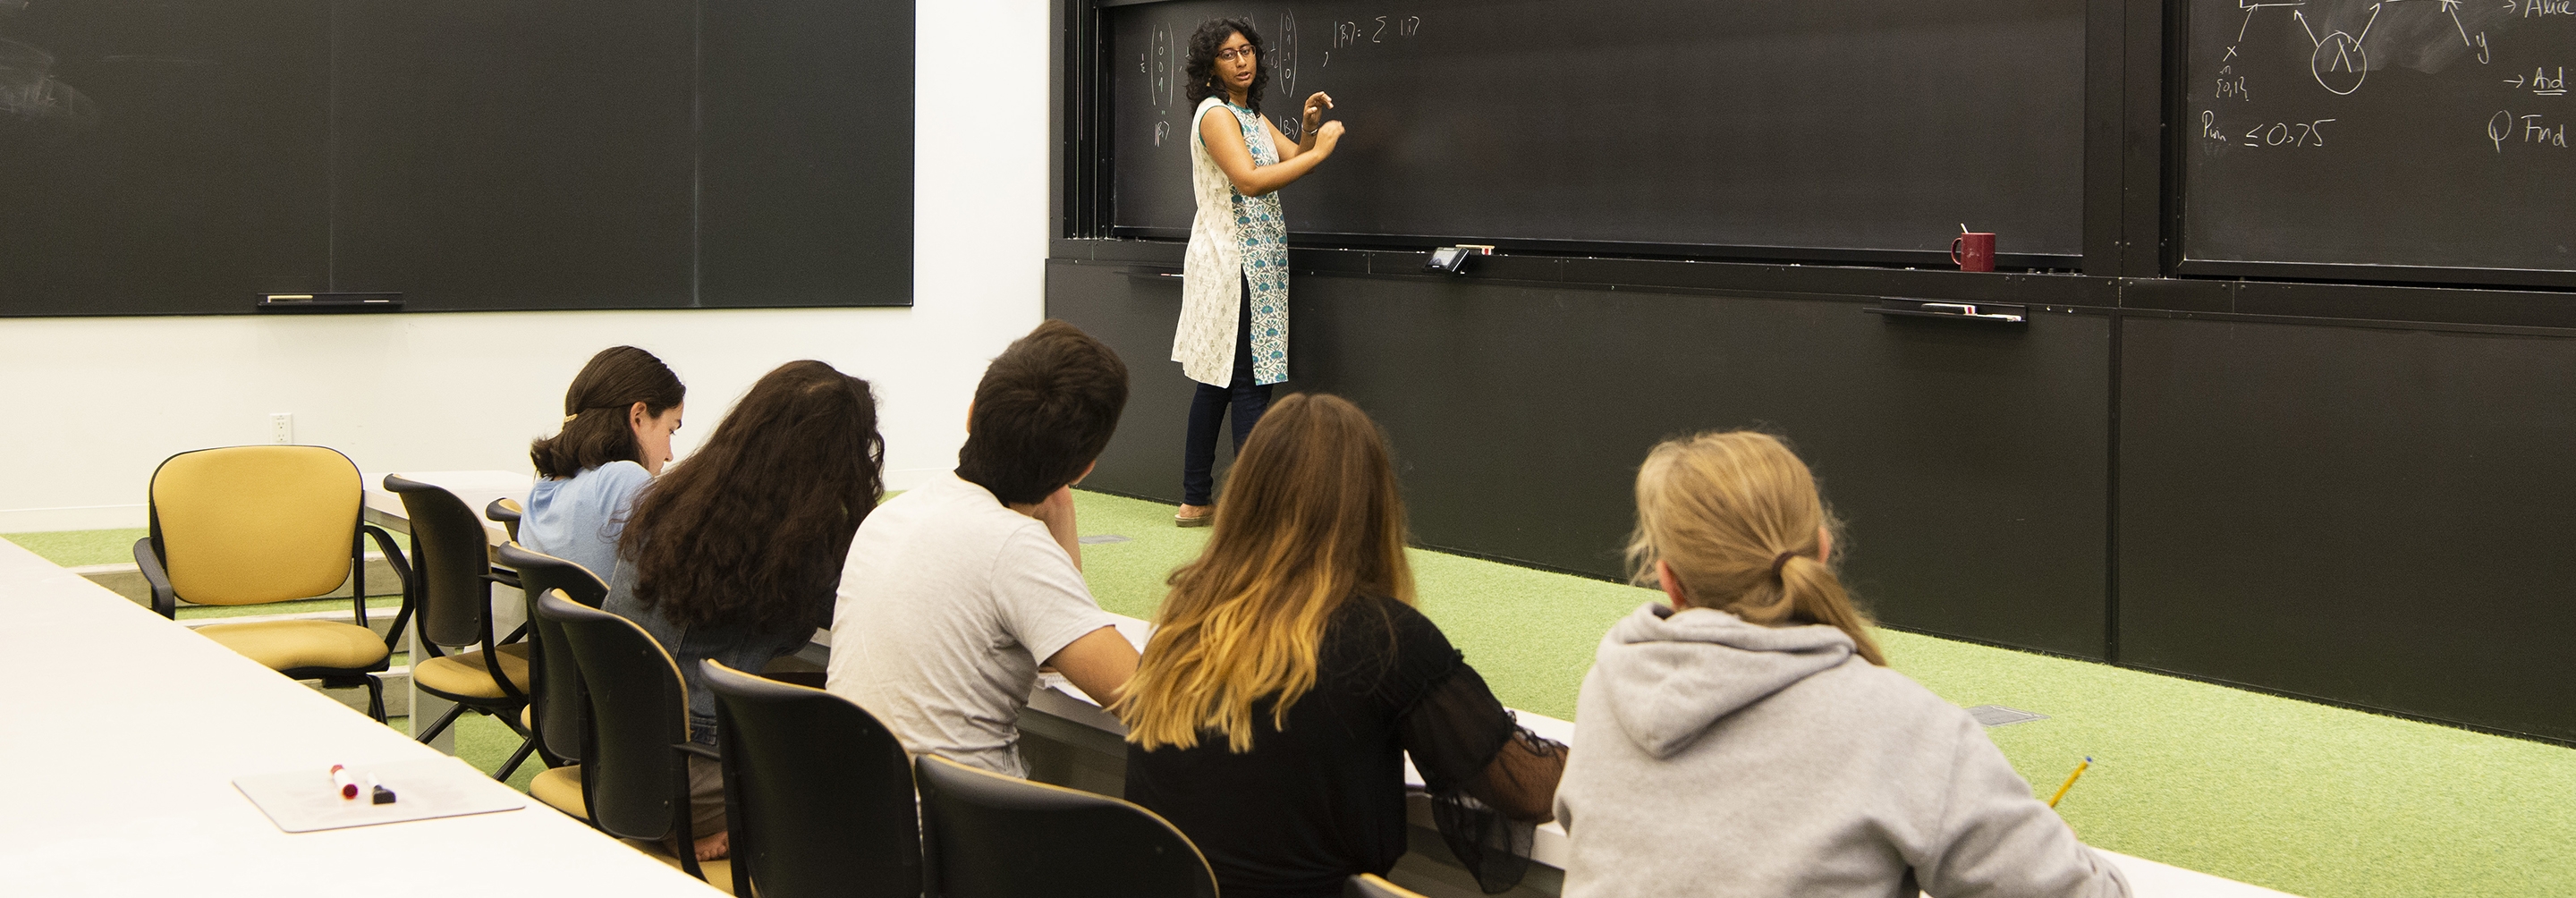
point(2313, 800)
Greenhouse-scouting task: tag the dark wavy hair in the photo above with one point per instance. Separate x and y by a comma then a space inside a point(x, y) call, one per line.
point(752, 528)
point(597, 432)
point(1200, 65)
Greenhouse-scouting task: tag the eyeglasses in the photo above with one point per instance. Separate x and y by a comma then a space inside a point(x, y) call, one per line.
point(1231, 54)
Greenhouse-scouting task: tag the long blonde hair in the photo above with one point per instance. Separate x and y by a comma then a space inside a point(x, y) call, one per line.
point(1310, 520)
point(1736, 515)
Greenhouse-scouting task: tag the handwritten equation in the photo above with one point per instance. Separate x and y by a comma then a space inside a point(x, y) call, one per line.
point(2344, 42)
point(1164, 62)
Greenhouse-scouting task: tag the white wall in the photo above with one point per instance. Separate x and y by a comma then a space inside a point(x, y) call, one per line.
point(91, 405)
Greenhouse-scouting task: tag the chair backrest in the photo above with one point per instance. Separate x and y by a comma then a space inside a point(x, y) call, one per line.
point(986, 835)
point(639, 709)
point(819, 793)
point(555, 697)
point(1369, 885)
point(450, 560)
point(248, 525)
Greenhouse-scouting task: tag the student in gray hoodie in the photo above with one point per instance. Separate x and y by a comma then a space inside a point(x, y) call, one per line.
point(1747, 739)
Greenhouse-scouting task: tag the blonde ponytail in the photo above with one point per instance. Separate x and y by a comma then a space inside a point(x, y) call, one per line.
point(1736, 517)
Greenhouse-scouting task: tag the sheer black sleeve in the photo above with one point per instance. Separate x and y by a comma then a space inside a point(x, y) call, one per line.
point(1489, 779)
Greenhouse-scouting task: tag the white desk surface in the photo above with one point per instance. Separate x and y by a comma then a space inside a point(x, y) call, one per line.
point(476, 488)
point(122, 772)
point(2147, 879)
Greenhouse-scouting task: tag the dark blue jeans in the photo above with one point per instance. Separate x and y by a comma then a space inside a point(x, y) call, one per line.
point(1207, 411)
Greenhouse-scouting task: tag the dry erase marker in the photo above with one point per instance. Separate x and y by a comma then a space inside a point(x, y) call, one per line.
point(348, 785)
point(2070, 780)
point(381, 794)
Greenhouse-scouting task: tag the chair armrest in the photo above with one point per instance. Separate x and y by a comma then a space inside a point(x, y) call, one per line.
point(165, 601)
point(505, 510)
point(402, 572)
point(691, 748)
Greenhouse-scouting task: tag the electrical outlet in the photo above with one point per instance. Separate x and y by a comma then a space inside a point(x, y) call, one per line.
point(281, 428)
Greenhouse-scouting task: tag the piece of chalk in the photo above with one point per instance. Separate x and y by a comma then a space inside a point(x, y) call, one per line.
point(340, 777)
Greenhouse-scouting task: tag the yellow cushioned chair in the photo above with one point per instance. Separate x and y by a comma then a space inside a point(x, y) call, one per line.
point(254, 525)
point(1370, 885)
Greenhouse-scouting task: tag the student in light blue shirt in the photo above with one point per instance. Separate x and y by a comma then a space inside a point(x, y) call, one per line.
point(618, 419)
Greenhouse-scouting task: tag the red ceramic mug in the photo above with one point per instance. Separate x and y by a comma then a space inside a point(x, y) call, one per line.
point(1974, 251)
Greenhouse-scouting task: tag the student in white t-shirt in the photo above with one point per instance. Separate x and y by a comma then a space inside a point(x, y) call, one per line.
point(957, 591)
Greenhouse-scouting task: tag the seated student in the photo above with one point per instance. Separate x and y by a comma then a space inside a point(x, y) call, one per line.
point(618, 420)
point(1747, 739)
point(956, 591)
point(1289, 674)
point(732, 555)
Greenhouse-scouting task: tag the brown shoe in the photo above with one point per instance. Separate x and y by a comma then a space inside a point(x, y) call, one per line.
point(1197, 520)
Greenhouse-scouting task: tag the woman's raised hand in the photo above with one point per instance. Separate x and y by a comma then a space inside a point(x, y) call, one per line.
point(1328, 135)
point(1316, 103)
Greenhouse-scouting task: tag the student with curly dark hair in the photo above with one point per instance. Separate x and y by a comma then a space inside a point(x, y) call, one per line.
point(1233, 333)
point(735, 553)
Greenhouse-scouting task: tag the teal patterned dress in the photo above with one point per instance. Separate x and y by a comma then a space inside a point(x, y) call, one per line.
point(1261, 238)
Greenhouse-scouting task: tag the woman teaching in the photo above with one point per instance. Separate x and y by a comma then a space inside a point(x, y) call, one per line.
point(1233, 333)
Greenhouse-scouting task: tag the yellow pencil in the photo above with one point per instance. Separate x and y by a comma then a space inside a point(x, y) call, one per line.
point(2070, 780)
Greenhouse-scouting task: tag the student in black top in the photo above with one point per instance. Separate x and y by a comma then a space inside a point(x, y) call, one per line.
point(1289, 674)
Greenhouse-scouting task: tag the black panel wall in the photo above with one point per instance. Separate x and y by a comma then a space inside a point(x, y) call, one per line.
point(2370, 515)
point(792, 92)
point(1968, 459)
point(549, 168)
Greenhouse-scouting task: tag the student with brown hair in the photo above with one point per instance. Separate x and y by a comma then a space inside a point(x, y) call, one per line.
point(1746, 739)
point(1289, 674)
point(618, 419)
point(733, 555)
point(956, 591)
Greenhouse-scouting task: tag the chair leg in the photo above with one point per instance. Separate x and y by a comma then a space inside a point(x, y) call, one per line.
point(376, 698)
point(443, 721)
point(516, 758)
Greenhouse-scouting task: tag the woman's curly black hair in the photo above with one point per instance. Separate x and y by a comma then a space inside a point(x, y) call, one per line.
point(1200, 65)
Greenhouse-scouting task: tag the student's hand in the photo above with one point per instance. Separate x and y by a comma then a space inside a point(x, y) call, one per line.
point(1056, 511)
point(1316, 103)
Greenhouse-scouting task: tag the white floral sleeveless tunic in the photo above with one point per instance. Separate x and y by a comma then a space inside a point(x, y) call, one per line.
point(1233, 233)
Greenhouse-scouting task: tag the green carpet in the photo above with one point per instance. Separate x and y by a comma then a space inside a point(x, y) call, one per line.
point(2309, 799)
point(81, 548)
point(2314, 800)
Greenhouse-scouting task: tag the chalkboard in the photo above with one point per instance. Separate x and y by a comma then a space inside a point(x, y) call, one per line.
point(2428, 133)
point(185, 156)
point(549, 166)
point(159, 156)
point(1871, 126)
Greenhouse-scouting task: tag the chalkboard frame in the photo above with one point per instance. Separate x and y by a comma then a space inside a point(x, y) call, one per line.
point(1085, 176)
point(2174, 84)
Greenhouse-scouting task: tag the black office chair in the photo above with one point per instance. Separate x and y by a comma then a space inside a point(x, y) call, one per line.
point(451, 598)
point(986, 835)
point(557, 709)
point(818, 794)
point(634, 768)
point(1370, 885)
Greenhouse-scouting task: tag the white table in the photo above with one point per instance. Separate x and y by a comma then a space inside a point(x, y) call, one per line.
point(121, 772)
point(2147, 879)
